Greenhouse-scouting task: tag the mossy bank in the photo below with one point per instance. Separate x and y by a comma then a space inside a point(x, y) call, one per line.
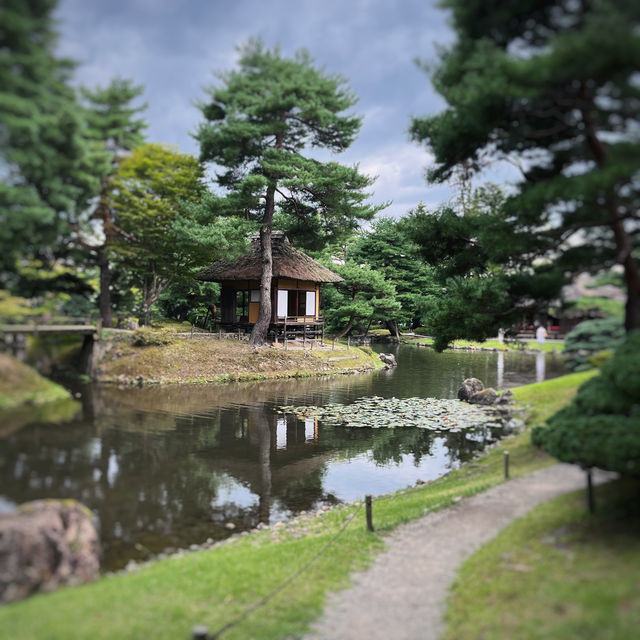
point(162, 358)
point(21, 385)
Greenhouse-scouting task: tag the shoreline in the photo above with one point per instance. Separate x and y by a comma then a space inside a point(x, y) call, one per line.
point(183, 360)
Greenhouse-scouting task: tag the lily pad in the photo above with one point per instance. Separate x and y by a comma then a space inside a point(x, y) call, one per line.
point(436, 414)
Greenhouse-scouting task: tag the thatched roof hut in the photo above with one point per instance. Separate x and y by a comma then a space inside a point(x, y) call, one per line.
point(288, 262)
point(295, 293)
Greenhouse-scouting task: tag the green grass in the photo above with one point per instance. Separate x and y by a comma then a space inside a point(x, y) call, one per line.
point(557, 573)
point(22, 385)
point(520, 345)
point(212, 587)
point(543, 399)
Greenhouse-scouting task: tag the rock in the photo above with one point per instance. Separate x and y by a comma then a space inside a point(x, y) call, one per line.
point(505, 397)
point(469, 387)
point(44, 545)
point(389, 359)
point(230, 526)
point(484, 397)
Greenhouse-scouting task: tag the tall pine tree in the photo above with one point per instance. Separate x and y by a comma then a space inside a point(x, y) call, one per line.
point(49, 169)
point(260, 125)
point(550, 86)
point(115, 127)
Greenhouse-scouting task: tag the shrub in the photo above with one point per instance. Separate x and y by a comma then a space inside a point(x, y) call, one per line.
point(588, 338)
point(147, 337)
point(601, 428)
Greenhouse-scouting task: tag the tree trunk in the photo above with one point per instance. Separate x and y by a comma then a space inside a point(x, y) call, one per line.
point(348, 327)
point(624, 245)
point(392, 325)
point(104, 302)
point(259, 332)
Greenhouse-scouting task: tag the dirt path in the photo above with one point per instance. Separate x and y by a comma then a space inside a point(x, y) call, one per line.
point(402, 595)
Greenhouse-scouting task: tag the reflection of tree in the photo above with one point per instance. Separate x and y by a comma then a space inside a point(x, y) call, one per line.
point(462, 446)
point(386, 445)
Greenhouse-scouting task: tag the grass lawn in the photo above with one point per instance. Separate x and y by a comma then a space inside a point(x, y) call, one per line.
point(522, 345)
point(213, 587)
point(20, 385)
point(557, 573)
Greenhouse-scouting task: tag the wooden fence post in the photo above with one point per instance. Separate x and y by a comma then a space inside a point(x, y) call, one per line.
point(367, 502)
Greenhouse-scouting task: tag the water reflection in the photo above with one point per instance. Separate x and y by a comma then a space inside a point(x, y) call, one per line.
point(172, 466)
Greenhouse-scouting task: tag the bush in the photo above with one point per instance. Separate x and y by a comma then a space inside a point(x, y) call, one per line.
point(147, 337)
point(590, 337)
point(601, 428)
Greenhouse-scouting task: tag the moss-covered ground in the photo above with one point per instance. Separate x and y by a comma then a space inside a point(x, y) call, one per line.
point(209, 359)
point(22, 385)
point(214, 587)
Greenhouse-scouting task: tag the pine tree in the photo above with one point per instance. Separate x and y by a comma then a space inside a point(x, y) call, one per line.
point(260, 126)
point(115, 127)
point(551, 87)
point(49, 168)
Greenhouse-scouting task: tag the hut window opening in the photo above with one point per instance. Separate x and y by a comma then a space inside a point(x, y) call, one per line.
point(297, 303)
point(255, 295)
point(242, 306)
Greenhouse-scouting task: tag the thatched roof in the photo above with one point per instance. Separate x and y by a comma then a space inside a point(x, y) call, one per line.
point(288, 262)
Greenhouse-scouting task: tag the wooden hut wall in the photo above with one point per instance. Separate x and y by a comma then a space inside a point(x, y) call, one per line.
point(240, 300)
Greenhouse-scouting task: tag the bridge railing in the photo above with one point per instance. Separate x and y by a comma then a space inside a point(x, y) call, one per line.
point(49, 320)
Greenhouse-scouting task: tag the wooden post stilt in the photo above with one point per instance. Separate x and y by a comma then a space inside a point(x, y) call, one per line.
point(506, 465)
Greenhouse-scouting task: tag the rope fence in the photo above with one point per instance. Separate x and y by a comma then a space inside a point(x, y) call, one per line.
point(202, 633)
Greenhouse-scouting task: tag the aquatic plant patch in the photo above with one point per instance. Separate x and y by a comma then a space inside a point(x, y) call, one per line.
point(436, 414)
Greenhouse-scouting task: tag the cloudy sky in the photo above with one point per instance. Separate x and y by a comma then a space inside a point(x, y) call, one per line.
point(174, 47)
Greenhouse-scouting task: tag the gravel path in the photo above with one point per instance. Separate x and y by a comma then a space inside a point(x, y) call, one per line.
point(402, 595)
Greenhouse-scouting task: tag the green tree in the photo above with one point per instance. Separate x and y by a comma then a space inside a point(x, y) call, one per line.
point(388, 249)
point(258, 125)
point(479, 290)
point(363, 297)
point(164, 238)
point(551, 87)
point(49, 168)
point(601, 427)
point(115, 127)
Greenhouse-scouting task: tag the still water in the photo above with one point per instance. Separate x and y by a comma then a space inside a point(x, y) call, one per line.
point(172, 466)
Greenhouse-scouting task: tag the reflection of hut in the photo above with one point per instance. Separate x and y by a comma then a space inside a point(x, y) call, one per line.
point(295, 289)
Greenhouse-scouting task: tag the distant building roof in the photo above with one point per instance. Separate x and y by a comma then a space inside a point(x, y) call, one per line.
point(288, 262)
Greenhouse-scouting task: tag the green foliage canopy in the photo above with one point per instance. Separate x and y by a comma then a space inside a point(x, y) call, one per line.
point(50, 169)
point(161, 241)
point(601, 428)
point(363, 296)
point(550, 87)
point(590, 337)
point(387, 248)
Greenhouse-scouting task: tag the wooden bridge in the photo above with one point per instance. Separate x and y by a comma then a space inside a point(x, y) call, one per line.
point(37, 329)
point(14, 335)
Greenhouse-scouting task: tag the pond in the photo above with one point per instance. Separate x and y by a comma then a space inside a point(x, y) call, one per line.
point(166, 467)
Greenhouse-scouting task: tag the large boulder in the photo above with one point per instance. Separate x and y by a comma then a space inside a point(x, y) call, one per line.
point(469, 387)
point(388, 359)
point(46, 544)
point(485, 397)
